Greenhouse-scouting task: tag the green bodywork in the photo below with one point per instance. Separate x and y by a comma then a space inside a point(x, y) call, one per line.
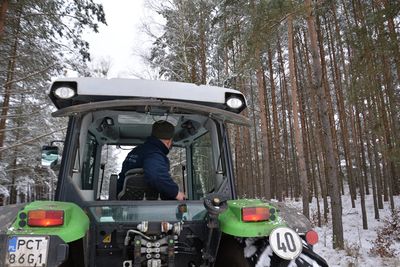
point(76, 222)
point(231, 220)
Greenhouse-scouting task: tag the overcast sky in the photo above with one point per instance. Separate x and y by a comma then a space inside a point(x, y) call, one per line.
point(123, 39)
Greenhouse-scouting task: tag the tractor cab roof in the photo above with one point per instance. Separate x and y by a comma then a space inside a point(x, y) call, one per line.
point(66, 92)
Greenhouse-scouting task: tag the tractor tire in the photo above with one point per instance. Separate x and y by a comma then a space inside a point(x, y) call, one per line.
point(75, 254)
point(230, 253)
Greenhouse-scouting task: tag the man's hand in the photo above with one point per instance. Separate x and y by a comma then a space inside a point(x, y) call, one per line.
point(180, 196)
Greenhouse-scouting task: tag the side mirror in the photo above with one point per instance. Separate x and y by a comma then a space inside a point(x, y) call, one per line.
point(50, 156)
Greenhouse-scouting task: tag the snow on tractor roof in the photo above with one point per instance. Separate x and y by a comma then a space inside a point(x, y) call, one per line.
point(66, 92)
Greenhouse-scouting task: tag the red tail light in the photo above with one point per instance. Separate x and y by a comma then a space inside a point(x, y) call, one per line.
point(45, 218)
point(257, 214)
point(312, 237)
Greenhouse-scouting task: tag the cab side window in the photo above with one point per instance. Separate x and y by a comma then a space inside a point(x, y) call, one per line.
point(89, 163)
point(203, 171)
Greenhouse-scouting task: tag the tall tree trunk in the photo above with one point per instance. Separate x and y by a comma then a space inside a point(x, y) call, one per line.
point(271, 149)
point(364, 171)
point(325, 86)
point(8, 85)
point(371, 169)
point(393, 124)
point(342, 109)
point(360, 163)
point(277, 153)
point(315, 173)
point(3, 12)
point(249, 178)
point(388, 147)
point(302, 100)
point(15, 155)
point(13, 175)
point(319, 148)
point(264, 126)
point(296, 122)
point(239, 162)
point(285, 109)
point(373, 121)
point(256, 142)
point(303, 127)
point(338, 241)
point(203, 45)
point(391, 100)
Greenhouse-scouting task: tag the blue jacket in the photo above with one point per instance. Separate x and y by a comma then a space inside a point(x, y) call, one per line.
point(152, 157)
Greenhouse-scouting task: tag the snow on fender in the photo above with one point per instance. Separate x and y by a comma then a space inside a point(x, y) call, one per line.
point(286, 243)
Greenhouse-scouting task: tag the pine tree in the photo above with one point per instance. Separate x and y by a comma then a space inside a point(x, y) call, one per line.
point(38, 40)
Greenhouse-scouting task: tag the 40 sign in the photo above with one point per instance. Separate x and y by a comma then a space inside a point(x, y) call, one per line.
point(286, 243)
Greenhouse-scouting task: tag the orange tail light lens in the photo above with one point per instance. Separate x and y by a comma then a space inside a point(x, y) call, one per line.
point(45, 218)
point(312, 237)
point(257, 214)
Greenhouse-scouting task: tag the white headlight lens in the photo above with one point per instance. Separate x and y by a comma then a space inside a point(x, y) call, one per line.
point(64, 92)
point(234, 102)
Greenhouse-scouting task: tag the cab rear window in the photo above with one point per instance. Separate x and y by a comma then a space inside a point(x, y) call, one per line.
point(156, 212)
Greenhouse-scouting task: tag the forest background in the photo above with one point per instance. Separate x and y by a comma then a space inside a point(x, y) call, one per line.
point(321, 79)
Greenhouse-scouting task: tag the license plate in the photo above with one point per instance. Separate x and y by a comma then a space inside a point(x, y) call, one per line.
point(24, 251)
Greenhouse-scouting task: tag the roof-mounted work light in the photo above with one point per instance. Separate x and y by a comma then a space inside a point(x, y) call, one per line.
point(64, 92)
point(234, 102)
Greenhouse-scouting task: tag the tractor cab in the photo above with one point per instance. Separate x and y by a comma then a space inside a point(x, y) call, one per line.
point(107, 118)
point(110, 117)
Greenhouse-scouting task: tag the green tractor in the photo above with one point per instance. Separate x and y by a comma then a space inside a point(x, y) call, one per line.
point(90, 224)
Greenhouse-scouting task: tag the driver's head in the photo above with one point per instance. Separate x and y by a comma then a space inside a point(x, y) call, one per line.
point(163, 130)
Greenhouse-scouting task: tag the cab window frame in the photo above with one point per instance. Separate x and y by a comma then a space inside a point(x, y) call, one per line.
point(89, 163)
point(196, 184)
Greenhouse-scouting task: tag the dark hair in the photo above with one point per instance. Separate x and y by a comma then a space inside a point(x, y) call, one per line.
point(163, 130)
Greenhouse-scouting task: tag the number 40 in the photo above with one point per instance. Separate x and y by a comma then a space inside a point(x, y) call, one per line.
point(288, 245)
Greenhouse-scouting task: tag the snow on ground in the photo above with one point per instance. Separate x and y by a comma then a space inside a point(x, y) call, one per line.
point(358, 242)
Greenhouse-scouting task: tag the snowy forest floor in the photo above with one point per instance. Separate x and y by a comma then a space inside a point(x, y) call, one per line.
point(358, 242)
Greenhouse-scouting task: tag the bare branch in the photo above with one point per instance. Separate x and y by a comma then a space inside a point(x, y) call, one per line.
point(32, 140)
point(30, 75)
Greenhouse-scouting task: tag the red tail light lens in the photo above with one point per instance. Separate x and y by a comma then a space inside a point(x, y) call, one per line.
point(257, 214)
point(312, 237)
point(45, 218)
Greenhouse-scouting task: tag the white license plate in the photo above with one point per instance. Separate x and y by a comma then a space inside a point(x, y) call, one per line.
point(24, 251)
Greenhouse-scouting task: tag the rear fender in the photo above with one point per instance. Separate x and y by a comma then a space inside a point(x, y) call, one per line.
point(280, 215)
point(253, 236)
point(76, 222)
point(231, 220)
point(293, 218)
